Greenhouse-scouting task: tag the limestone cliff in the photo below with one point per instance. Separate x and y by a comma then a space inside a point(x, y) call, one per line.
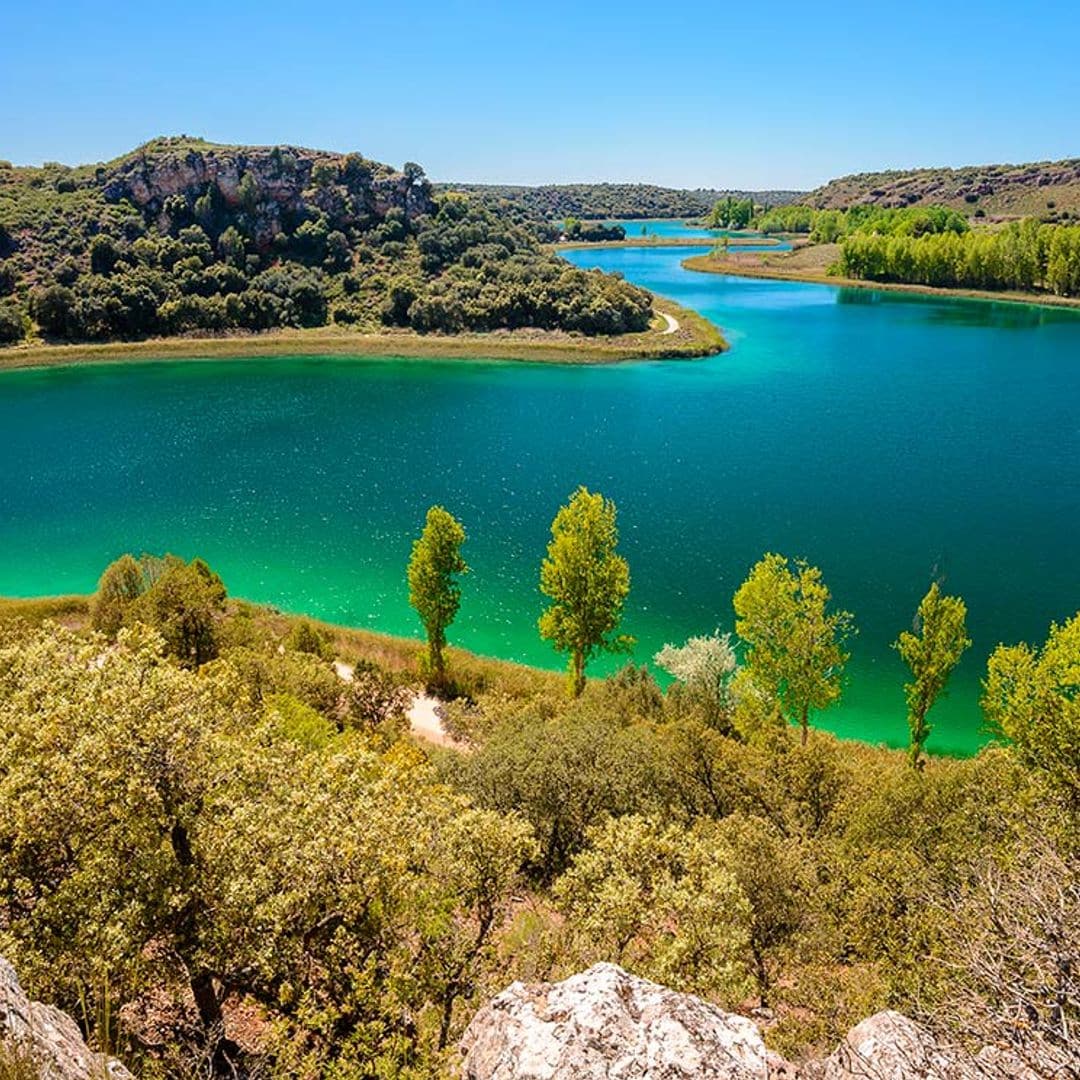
point(273, 186)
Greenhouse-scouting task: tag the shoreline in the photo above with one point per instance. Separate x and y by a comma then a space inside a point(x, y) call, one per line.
point(390, 651)
point(696, 338)
point(746, 239)
point(706, 264)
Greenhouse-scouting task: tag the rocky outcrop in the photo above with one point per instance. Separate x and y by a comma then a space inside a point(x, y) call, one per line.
point(889, 1046)
point(55, 1040)
point(276, 186)
point(607, 1023)
point(1013, 190)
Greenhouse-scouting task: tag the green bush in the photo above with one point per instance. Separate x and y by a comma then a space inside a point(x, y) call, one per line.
point(12, 324)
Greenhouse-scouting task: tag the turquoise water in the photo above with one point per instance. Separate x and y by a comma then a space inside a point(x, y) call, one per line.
point(882, 437)
point(669, 228)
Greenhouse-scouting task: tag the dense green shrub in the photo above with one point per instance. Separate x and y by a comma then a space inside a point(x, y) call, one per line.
point(12, 324)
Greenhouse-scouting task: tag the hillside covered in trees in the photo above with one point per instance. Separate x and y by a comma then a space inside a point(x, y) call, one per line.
point(183, 236)
point(556, 202)
point(997, 190)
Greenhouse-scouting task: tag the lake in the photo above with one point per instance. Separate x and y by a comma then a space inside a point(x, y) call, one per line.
point(886, 438)
point(677, 229)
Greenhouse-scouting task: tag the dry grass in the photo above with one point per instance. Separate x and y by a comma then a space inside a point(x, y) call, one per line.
point(72, 611)
point(471, 674)
point(17, 1061)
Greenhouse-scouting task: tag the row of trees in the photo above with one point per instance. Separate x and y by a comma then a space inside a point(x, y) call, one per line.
point(795, 646)
point(1026, 256)
point(828, 226)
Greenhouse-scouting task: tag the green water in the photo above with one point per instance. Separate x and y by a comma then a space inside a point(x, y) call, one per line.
point(884, 438)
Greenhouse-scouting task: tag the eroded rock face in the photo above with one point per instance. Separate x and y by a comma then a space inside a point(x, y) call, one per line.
point(607, 1023)
point(56, 1040)
point(283, 185)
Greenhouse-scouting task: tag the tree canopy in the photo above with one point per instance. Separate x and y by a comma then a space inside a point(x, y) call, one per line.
point(587, 581)
point(932, 649)
point(434, 568)
point(795, 645)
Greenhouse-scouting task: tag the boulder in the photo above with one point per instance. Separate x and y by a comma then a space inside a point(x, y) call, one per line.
point(607, 1023)
point(55, 1039)
point(889, 1046)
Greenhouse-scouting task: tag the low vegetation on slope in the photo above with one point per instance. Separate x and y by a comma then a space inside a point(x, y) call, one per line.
point(229, 860)
point(185, 237)
point(997, 190)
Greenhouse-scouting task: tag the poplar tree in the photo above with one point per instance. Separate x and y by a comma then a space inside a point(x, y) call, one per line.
point(795, 645)
point(433, 571)
point(587, 581)
point(931, 649)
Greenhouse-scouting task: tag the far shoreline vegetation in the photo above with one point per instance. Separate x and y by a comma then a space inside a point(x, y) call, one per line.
point(775, 267)
point(695, 338)
point(934, 242)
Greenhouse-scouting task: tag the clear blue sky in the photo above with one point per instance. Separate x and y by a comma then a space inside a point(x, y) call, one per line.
point(756, 95)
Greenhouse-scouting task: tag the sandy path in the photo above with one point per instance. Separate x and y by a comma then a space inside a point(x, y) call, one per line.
point(424, 714)
point(672, 323)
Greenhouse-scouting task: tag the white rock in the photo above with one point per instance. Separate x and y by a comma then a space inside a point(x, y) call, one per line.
point(889, 1046)
point(57, 1043)
point(606, 1023)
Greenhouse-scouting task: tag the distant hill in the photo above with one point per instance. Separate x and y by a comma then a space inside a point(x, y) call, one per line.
point(997, 190)
point(554, 202)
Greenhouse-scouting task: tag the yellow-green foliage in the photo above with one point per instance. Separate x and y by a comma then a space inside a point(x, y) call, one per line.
point(662, 900)
point(17, 1061)
point(1033, 697)
point(254, 830)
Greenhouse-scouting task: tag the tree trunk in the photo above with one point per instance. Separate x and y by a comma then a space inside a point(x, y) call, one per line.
point(578, 672)
point(804, 723)
point(762, 972)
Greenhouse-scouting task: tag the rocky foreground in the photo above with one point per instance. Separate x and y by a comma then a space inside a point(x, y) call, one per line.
point(54, 1038)
point(606, 1023)
point(602, 1024)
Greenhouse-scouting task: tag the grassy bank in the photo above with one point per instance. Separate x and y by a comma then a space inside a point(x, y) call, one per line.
point(810, 264)
point(473, 674)
point(696, 337)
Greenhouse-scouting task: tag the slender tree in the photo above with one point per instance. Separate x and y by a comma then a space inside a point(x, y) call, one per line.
point(434, 591)
point(587, 581)
point(795, 645)
point(932, 648)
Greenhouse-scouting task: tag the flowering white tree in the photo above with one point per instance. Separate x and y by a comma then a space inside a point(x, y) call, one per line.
point(705, 665)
